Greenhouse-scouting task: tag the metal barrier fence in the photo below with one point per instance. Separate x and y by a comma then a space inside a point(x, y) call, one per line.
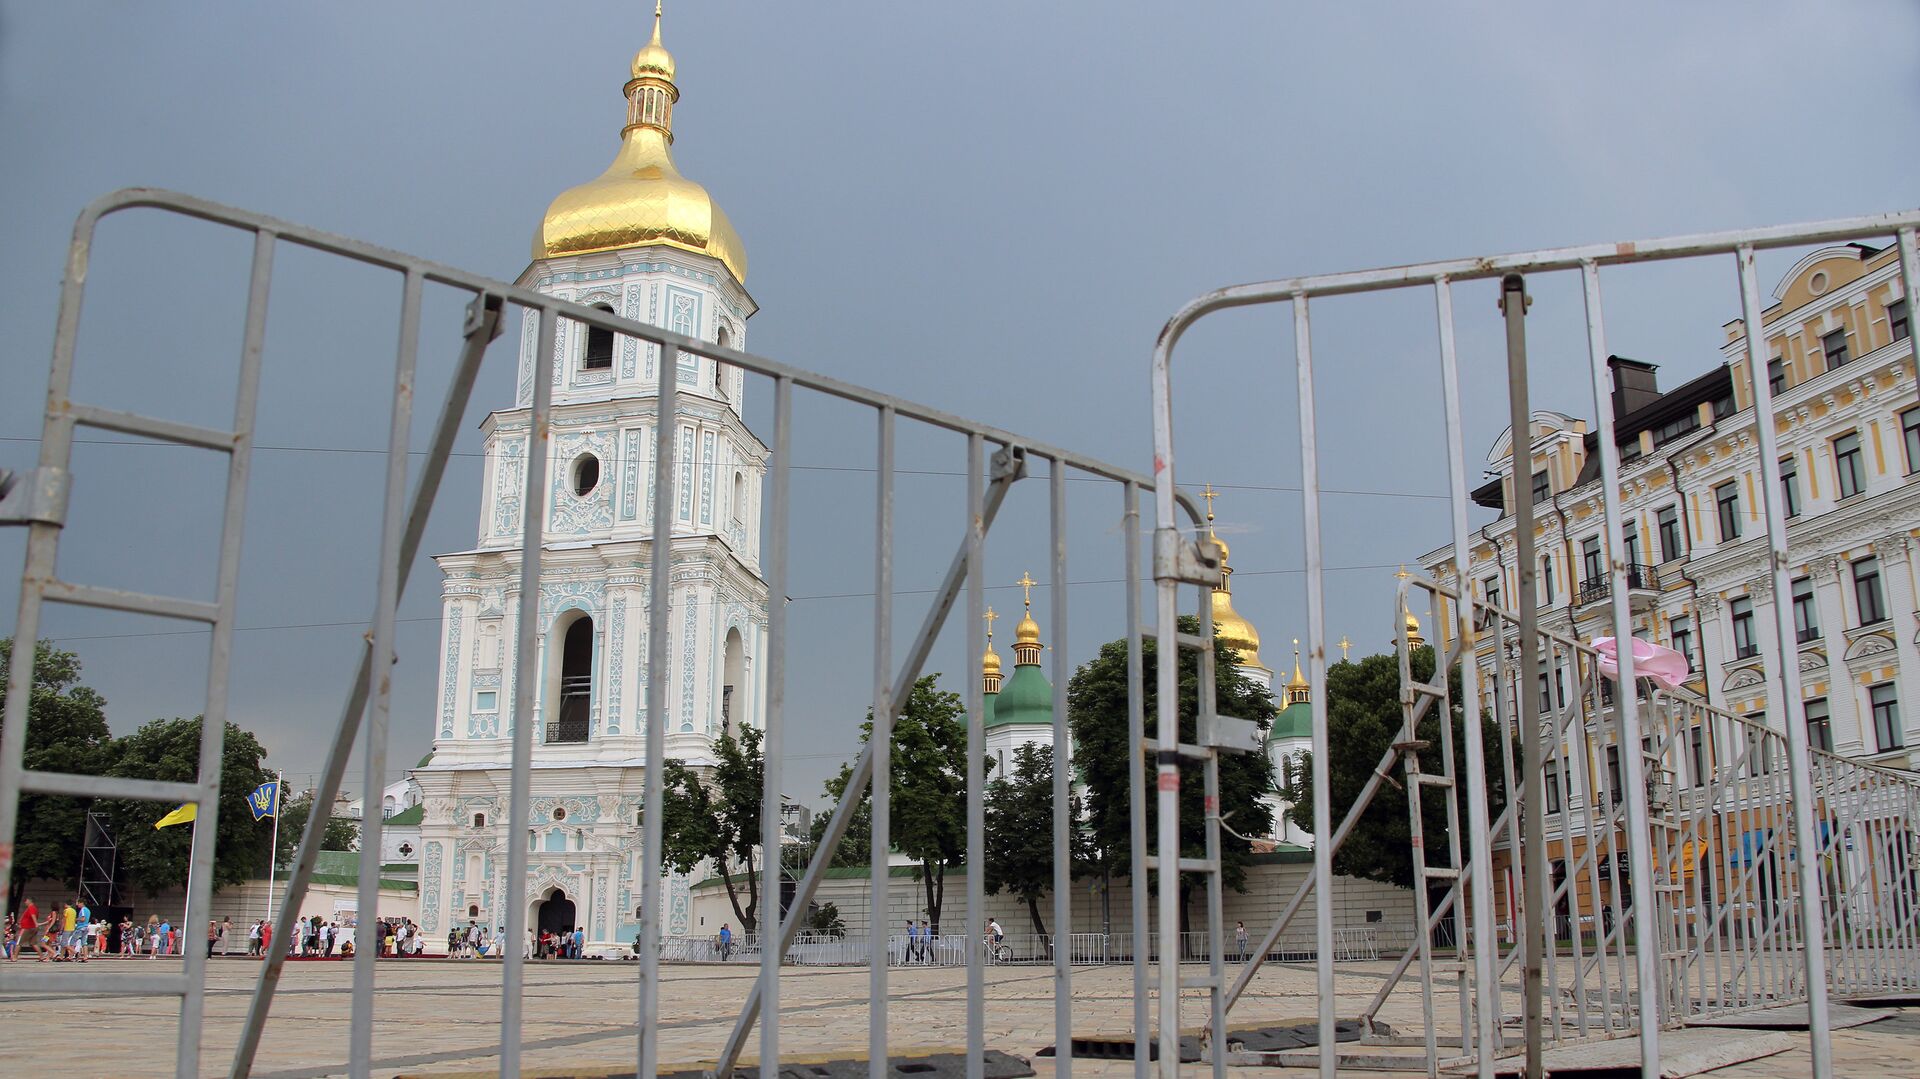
point(1725, 923)
point(1633, 961)
point(993, 460)
point(1350, 945)
point(1770, 940)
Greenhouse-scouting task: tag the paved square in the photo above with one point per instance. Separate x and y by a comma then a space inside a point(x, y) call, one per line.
point(438, 1016)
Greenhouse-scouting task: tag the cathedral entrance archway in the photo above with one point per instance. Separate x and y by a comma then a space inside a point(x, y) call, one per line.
point(555, 913)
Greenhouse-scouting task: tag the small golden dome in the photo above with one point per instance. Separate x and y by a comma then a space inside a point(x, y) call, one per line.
point(642, 200)
point(1228, 625)
point(1299, 690)
point(1028, 631)
point(990, 663)
point(653, 60)
point(1414, 638)
point(1237, 632)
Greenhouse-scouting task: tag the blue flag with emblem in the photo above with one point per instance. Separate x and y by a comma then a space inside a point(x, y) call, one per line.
point(265, 800)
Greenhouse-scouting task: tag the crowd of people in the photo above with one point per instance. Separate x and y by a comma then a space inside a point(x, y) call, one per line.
point(70, 932)
point(559, 945)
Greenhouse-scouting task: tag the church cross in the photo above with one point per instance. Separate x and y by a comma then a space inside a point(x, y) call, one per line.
point(1209, 494)
point(990, 618)
point(1344, 645)
point(1026, 582)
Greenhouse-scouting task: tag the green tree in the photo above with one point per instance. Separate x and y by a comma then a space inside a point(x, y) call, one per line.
point(340, 834)
point(855, 848)
point(1363, 721)
point(824, 919)
point(1020, 854)
point(928, 792)
point(1097, 714)
point(718, 819)
point(66, 732)
point(152, 859)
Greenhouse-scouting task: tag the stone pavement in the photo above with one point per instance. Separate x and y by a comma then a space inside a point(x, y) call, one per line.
point(439, 1016)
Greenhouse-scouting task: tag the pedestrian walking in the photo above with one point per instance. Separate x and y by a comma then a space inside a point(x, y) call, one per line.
point(726, 941)
point(1240, 939)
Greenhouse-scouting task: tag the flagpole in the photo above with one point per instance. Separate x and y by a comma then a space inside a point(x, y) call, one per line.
point(273, 852)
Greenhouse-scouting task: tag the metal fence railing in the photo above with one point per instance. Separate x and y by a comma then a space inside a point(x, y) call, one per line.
point(1802, 863)
point(1794, 924)
point(992, 460)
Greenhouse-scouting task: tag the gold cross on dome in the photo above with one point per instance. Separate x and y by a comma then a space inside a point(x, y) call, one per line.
point(991, 618)
point(1403, 574)
point(1344, 645)
point(1026, 582)
point(1209, 494)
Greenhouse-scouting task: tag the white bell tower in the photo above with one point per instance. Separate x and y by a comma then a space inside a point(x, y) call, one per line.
point(644, 242)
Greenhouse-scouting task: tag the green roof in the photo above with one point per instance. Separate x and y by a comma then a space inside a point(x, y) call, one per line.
point(410, 815)
point(1294, 721)
point(1026, 699)
point(341, 868)
point(425, 759)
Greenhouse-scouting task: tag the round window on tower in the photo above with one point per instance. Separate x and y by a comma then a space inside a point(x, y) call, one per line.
point(586, 474)
point(559, 813)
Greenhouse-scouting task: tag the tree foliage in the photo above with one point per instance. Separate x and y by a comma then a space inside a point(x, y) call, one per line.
point(1097, 714)
point(66, 732)
point(855, 848)
point(718, 819)
point(169, 750)
point(1363, 721)
point(824, 919)
point(928, 792)
point(341, 834)
point(1020, 852)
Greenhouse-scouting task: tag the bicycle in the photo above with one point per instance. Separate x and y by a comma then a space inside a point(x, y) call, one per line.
point(1000, 952)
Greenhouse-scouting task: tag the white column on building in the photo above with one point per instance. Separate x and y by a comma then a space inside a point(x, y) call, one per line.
point(1843, 711)
point(1714, 649)
point(1767, 636)
point(1893, 552)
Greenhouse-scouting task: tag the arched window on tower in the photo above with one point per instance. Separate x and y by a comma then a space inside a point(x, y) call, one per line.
point(733, 673)
point(574, 701)
point(599, 354)
point(739, 497)
point(720, 369)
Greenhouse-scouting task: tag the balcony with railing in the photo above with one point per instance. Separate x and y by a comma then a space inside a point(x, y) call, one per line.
point(1643, 586)
point(572, 720)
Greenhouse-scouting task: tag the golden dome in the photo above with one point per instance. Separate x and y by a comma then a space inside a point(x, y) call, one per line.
point(1298, 690)
point(642, 200)
point(1228, 626)
point(1236, 631)
point(1414, 639)
point(1028, 631)
point(653, 59)
point(990, 663)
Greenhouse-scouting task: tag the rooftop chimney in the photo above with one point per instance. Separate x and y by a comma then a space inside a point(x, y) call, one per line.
point(1634, 386)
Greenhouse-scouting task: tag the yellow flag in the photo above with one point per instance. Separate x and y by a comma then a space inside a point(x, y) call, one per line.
point(179, 816)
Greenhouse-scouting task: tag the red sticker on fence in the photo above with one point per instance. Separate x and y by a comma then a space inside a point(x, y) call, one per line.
point(1213, 806)
point(1169, 781)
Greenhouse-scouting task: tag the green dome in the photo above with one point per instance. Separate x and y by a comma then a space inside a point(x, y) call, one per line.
point(1025, 699)
point(1294, 721)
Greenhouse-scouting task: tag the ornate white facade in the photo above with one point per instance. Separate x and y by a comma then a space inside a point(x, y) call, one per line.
point(589, 715)
point(1841, 365)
